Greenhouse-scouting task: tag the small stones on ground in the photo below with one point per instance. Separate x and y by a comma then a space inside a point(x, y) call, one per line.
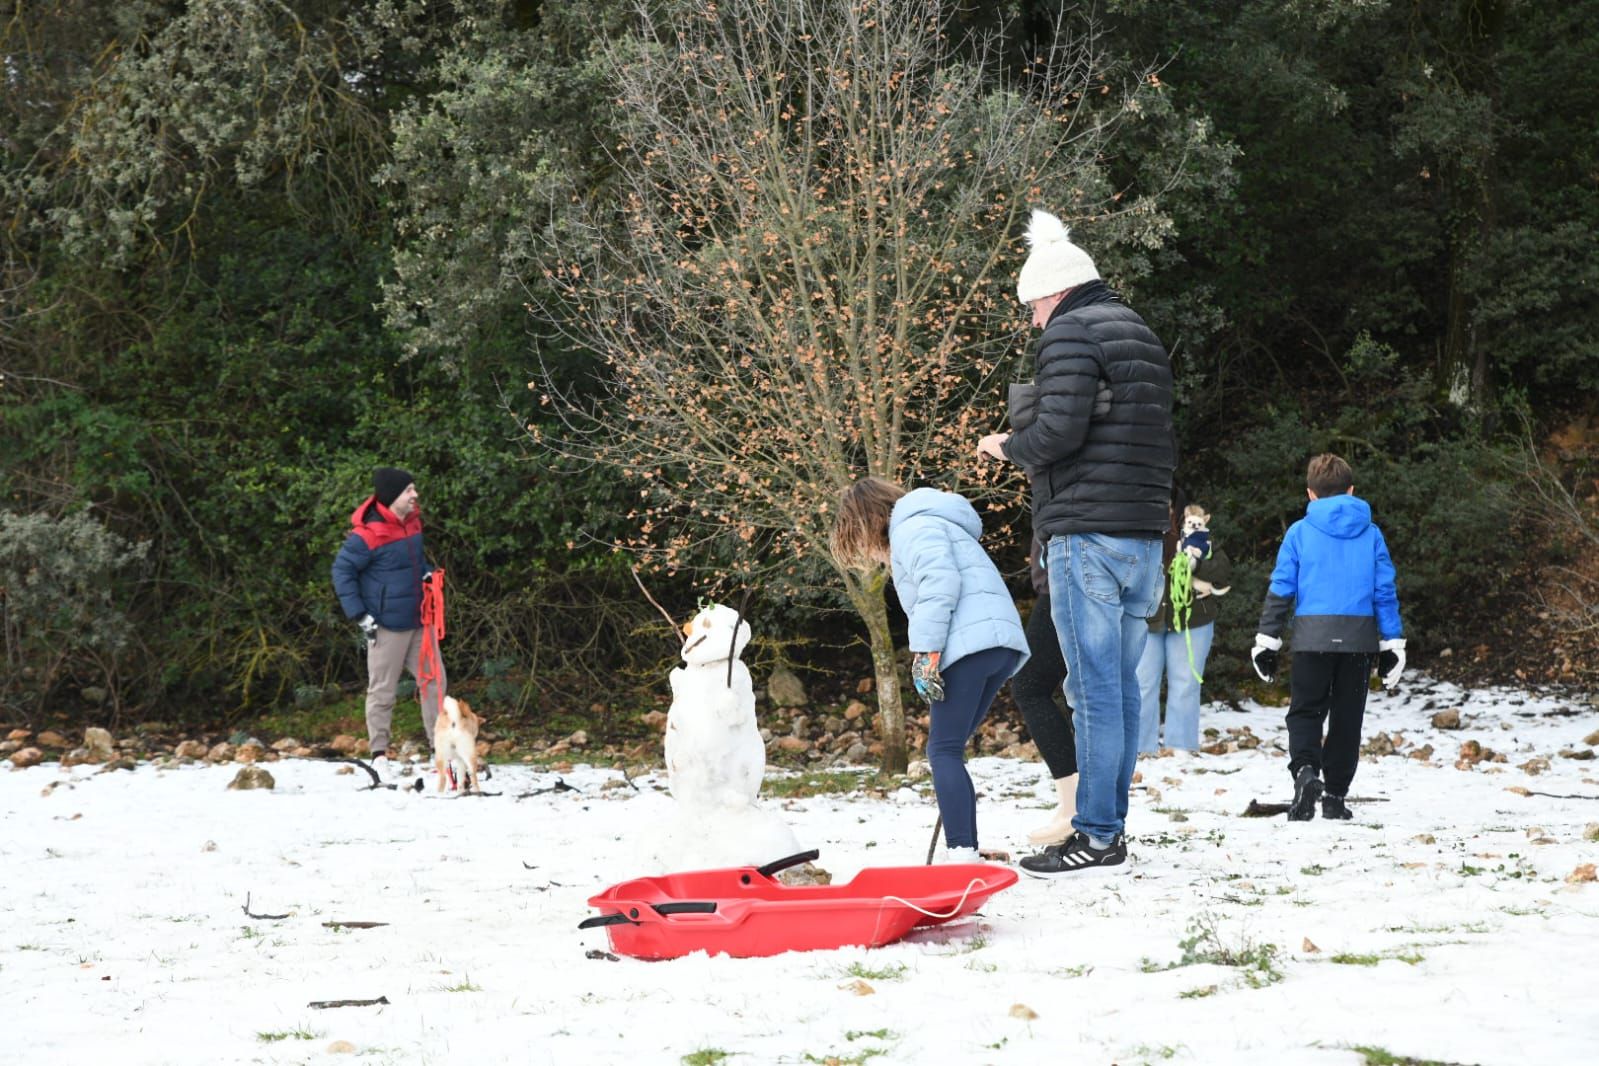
point(252, 777)
point(785, 689)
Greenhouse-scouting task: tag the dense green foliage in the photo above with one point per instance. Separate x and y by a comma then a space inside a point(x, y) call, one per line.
point(253, 249)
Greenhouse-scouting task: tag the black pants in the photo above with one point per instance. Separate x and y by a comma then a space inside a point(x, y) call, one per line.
point(1035, 687)
point(1327, 687)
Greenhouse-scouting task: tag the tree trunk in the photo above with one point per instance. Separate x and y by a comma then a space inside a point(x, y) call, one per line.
point(873, 608)
point(1475, 181)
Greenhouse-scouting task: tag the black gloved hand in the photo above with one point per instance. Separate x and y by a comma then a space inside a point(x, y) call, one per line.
point(1264, 656)
point(1391, 661)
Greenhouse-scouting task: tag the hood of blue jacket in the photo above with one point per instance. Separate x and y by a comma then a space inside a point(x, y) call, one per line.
point(949, 506)
point(1344, 517)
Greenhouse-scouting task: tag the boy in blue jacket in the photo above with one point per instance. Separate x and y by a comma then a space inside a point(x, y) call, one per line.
point(965, 635)
point(1334, 573)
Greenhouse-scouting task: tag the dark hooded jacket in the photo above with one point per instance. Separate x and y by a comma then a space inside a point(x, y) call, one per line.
point(379, 569)
point(1098, 473)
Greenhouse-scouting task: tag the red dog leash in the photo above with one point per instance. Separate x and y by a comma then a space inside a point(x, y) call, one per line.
point(429, 671)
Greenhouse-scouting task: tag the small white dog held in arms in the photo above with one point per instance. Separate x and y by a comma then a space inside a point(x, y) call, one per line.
point(715, 758)
point(455, 744)
point(1196, 541)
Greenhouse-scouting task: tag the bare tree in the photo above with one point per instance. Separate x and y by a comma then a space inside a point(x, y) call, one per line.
point(808, 275)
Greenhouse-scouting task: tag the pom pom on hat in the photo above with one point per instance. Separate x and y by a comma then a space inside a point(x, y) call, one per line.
point(1055, 264)
point(388, 482)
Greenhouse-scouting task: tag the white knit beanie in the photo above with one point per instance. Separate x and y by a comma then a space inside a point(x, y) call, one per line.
point(1055, 263)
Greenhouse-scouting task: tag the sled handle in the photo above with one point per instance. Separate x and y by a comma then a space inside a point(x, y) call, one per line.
point(686, 907)
point(782, 864)
point(605, 919)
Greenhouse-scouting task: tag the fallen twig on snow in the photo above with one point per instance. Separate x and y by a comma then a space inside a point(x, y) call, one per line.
point(262, 917)
point(328, 1004)
point(353, 925)
point(1257, 809)
point(1518, 790)
point(559, 786)
point(377, 782)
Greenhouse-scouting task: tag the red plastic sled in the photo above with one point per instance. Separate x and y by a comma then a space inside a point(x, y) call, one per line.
point(743, 911)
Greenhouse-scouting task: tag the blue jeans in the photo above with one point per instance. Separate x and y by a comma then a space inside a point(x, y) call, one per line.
point(969, 688)
point(1102, 590)
point(1167, 653)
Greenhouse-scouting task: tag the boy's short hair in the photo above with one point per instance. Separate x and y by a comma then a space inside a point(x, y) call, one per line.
point(1328, 475)
point(860, 528)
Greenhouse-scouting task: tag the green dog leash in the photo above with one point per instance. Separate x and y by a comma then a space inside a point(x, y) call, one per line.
point(1182, 603)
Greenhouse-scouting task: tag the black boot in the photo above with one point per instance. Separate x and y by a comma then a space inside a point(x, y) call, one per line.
point(1307, 790)
point(1335, 808)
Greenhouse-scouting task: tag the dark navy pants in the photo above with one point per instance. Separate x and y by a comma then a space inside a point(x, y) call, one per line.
point(1327, 687)
point(970, 686)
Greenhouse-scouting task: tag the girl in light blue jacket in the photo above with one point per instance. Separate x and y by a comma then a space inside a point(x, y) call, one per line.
point(965, 635)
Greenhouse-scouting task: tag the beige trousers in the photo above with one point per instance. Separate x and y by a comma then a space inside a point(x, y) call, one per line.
point(393, 651)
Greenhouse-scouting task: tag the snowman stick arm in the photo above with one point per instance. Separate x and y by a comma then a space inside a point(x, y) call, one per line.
point(671, 625)
point(732, 645)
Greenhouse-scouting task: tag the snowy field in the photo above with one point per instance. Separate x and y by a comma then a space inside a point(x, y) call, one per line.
point(1440, 925)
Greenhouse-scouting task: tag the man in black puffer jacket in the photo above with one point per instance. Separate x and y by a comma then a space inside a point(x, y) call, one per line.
point(1101, 482)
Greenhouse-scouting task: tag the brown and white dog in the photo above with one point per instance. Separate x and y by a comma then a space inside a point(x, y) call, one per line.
point(455, 744)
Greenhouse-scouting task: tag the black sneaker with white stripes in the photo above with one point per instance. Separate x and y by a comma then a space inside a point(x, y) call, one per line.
point(1076, 854)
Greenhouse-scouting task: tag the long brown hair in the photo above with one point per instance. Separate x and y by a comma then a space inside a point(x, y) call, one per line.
point(860, 530)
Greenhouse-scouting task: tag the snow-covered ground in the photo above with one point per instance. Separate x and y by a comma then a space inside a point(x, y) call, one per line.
point(1438, 925)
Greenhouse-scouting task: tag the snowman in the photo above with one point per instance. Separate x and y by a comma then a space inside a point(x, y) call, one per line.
point(715, 757)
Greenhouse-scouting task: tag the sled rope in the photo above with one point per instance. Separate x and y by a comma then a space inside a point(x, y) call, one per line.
point(1182, 604)
point(428, 668)
point(975, 882)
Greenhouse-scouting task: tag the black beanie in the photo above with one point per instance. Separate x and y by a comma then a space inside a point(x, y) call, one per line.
point(388, 482)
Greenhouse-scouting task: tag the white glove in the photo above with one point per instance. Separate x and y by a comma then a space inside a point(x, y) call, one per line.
point(369, 629)
point(1263, 657)
point(1391, 661)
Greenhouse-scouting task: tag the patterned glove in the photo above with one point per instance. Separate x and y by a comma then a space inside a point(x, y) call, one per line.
point(925, 676)
point(1391, 661)
point(1264, 656)
point(369, 629)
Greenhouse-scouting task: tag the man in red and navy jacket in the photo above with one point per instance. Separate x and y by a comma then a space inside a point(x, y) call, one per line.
point(378, 575)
